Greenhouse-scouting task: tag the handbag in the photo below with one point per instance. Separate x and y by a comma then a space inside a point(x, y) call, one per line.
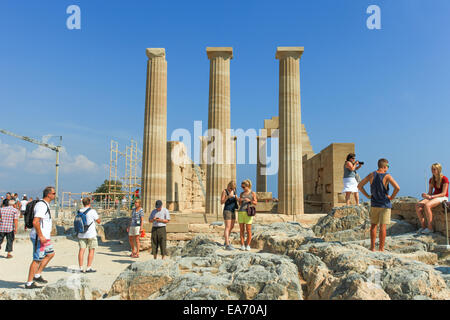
point(142, 233)
point(251, 210)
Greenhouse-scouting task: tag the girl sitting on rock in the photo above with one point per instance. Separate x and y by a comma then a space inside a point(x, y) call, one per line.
point(438, 193)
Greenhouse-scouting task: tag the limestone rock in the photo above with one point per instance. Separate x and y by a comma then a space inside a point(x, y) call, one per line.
point(205, 271)
point(141, 279)
point(341, 218)
point(116, 229)
point(280, 237)
point(75, 287)
point(349, 271)
point(351, 223)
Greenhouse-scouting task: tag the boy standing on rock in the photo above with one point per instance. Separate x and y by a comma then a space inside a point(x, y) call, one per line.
point(380, 201)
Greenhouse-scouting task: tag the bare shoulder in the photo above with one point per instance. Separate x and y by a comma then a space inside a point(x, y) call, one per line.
point(369, 176)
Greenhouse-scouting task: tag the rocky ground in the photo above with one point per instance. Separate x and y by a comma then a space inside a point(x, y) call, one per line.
point(288, 261)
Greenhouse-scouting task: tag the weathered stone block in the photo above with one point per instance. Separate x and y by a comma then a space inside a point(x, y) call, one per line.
point(264, 196)
point(177, 227)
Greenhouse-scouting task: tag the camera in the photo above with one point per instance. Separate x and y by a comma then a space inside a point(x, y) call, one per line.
point(361, 162)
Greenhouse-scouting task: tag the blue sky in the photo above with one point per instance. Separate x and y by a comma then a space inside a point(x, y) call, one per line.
point(385, 90)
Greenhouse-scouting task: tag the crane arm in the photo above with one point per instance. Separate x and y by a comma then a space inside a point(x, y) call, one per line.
point(47, 145)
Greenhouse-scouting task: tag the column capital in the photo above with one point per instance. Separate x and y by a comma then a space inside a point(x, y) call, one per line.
point(224, 52)
point(155, 52)
point(284, 52)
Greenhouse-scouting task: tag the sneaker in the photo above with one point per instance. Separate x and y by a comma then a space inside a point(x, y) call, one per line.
point(247, 248)
point(420, 230)
point(229, 247)
point(32, 286)
point(427, 231)
point(243, 248)
point(90, 270)
point(40, 280)
point(224, 244)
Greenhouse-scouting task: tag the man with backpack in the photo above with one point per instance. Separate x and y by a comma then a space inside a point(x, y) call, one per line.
point(38, 216)
point(84, 226)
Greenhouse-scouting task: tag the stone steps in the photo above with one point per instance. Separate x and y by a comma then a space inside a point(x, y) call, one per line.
point(189, 222)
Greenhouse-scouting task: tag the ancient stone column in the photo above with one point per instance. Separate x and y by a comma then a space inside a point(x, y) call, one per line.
point(175, 198)
point(290, 174)
point(233, 157)
point(203, 145)
point(261, 178)
point(155, 130)
point(218, 173)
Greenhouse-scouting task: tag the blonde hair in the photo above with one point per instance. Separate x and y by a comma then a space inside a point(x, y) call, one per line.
point(437, 166)
point(247, 183)
point(231, 184)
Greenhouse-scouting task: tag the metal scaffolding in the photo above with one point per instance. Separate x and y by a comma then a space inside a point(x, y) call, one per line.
point(131, 179)
point(133, 161)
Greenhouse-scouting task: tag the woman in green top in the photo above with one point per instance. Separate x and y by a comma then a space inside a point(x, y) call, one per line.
point(246, 198)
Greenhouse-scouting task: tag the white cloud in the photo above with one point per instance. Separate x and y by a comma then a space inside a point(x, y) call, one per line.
point(78, 164)
point(41, 160)
point(42, 153)
point(11, 156)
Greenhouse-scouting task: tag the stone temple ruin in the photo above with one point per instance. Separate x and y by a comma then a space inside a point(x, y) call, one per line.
point(307, 182)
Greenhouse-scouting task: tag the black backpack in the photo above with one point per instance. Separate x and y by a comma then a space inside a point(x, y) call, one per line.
point(28, 216)
point(231, 201)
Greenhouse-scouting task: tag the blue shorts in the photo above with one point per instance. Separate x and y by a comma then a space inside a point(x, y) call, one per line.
point(41, 251)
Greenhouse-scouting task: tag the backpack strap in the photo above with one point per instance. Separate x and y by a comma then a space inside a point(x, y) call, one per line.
point(85, 212)
point(48, 211)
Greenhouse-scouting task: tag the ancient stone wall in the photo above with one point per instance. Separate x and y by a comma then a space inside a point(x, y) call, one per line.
point(184, 191)
point(323, 178)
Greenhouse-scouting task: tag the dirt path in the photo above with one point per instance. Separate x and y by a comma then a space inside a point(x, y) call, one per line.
point(111, 258)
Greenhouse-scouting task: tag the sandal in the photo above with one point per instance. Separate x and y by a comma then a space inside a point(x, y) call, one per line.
point(9, 256)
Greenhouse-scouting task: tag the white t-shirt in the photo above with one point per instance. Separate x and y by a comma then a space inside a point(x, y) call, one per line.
point(40, 211)
point(91, 216)
point(23, 205)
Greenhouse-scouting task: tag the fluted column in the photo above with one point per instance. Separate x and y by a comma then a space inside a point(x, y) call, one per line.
point(261, 178)
point(218, 173)
point(290, 174)
point(233, 157)
point(154, 152)
point(203, 145)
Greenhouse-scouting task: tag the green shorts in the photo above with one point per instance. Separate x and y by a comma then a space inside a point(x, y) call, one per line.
point(244, 218)
point(88, 243)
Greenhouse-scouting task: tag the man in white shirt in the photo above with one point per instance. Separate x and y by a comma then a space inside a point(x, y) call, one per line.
point(89, 238)
point(23, 204)
point(40, 237)
point(159, 217)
